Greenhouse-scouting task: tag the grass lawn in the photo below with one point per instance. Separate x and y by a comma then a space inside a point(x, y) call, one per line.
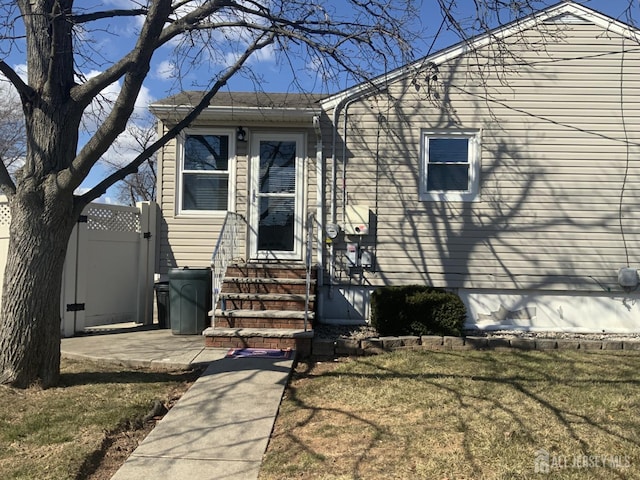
point(63, 433)
point(461, 415)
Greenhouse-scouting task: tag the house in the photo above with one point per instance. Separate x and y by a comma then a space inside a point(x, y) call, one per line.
point(506, 168)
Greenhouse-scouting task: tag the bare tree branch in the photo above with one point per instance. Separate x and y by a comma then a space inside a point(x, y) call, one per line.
point(24, 90)
point(116, 120)
point(6, 182)
point(132, 167)
point(91, 17)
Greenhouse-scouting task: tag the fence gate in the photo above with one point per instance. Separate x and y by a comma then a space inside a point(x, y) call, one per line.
point(109, 267)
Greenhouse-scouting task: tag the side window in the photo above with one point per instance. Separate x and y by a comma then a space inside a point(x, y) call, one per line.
point(450, 165)
point(204, 173)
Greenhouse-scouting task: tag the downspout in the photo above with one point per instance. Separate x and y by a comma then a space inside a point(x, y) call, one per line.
point(343, 105)
point(319, 187)
point(319, 192)
point(319, 209)
point(344, 160)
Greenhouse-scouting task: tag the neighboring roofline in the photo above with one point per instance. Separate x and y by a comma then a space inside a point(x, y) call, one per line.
point(168, 111)
point(525, 23)
point(240, 106)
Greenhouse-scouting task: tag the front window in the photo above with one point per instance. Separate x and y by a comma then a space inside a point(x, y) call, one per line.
point(205, 173)
point(450, 165)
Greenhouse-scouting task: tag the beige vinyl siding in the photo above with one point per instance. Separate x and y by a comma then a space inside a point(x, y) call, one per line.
point(553, 162)
point(189, 240)
point(185, 241)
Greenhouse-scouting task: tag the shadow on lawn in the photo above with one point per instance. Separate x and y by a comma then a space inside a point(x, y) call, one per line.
point(124, 376)
point(531, 379)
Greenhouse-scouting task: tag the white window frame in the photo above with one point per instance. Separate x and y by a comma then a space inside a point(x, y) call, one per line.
point(473, 192)
point(231, 171)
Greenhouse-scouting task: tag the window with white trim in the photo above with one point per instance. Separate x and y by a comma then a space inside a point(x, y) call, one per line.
point(205, 172)
point(450, 165)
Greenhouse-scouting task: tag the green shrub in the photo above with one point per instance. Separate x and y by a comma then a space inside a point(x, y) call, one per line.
point(417, 310)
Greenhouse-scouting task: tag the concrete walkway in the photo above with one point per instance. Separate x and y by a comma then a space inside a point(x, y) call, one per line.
point(220, 428)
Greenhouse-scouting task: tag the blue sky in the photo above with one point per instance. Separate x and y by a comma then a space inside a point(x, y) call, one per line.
point(118, 36)
point(277, 79)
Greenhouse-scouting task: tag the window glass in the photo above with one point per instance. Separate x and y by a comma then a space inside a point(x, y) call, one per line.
point(448, 150)
point(206, 152)
point(205, 173)
point(204, 192)
point(450, 165)
point(443, 177)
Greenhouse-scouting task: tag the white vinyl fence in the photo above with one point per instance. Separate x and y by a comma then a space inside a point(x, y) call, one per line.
point(109, 268)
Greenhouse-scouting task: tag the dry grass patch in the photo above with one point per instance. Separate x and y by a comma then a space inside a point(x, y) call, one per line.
point(65, 432)
point(461, 415)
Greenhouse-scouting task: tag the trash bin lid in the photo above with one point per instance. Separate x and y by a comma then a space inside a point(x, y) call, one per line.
point(188, 273)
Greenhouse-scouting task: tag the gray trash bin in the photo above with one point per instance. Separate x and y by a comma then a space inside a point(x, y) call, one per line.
point(189, 300)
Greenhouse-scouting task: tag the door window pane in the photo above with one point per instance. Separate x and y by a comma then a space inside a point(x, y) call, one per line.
point(276, 224)
point(277, 167)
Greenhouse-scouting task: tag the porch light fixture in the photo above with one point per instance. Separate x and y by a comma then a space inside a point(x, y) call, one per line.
point(241, 135)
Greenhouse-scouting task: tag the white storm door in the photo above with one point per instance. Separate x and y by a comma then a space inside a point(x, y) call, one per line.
point(276, 196)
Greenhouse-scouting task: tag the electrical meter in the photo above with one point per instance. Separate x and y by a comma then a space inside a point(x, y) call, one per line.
point(332, 230)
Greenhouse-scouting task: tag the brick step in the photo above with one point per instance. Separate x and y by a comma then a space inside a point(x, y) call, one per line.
point(297, 339)
point(290, 314)
point(268, 270)
point(266, 296)
point(265, 285)
point(266, 319)
point(260, 322)
point(264, 301)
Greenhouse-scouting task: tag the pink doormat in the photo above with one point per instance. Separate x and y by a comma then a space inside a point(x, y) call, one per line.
point(259, 353)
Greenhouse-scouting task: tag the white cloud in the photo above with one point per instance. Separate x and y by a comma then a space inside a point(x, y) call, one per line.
point(21, 70)
point(100, 108)
point(166, 70)
point(265, 54)
point(222, 46)
point(143, 101)
point(128, 144)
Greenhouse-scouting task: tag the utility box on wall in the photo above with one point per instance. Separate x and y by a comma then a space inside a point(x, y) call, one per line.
point(352, 255)
point(356, 220)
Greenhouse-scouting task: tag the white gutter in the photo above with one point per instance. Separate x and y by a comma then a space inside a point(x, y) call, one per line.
point(235, 113)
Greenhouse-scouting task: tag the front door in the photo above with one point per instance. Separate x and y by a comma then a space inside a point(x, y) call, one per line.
point(276, 196)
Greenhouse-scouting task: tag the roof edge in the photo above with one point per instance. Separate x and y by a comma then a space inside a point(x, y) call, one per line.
point(168, 111)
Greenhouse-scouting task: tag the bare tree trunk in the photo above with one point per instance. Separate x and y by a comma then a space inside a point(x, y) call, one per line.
point(54, 100)
point(30, 315)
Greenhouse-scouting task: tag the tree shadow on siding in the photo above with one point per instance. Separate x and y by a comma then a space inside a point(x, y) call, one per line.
point(530, 227)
